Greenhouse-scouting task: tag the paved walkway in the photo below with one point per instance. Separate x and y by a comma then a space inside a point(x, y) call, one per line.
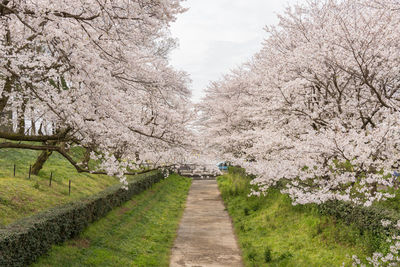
point(205, 235)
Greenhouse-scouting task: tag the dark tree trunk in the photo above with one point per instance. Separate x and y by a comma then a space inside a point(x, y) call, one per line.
point(4, 96)
point(40, 131)
point(40, 161)
point(33, 123)
point(21, 118)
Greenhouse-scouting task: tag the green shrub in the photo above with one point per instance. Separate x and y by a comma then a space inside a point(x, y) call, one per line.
point(267, 255)
point(252, 255)
point(285, 256)
point(22, 242)
point(364, 218)
point(36, 186)
point(237, 171)
point(246, 211)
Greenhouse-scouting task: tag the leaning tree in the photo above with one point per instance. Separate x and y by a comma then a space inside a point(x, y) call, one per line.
point(93, 74)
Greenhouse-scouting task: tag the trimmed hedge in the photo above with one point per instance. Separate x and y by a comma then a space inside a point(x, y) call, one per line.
point(22, 242)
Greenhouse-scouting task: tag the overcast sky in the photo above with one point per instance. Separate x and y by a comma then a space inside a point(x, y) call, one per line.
point(217, 35)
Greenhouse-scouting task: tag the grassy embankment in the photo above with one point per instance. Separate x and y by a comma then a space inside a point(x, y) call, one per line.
point(21, 197)
point(139, 233)
point(273, 232)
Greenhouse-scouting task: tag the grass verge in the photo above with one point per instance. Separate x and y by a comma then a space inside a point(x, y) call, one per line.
point(273, 232)
point(21, 197)
point(139, 233)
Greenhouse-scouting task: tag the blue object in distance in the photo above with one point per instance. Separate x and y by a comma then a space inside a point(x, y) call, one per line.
point(222, 166)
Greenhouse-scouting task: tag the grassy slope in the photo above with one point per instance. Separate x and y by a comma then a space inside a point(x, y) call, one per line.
point(20, 197)
point(139, 233)
point(272, 232)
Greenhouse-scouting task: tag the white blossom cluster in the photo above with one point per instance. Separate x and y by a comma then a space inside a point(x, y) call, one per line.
point(97, 70)
point(318, 107)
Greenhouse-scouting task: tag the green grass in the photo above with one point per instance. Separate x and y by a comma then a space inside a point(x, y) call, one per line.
point(273, 232)
point(21, 197)
point(139, 233)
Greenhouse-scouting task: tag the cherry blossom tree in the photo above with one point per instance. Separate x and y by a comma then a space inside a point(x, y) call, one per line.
point(99, 72)
point(317, 107)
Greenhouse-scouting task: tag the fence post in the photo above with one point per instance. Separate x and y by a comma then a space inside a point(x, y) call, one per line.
point(51, 177)
point(14, 169)
point(30, 169)
point(69, 188)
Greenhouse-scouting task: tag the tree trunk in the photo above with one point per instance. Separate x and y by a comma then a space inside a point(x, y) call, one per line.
point(33, 122)
point(33, 127)
point(21, 118)
point(40, 161)
point(6, 116)
point(6, 90)
point(86, 158)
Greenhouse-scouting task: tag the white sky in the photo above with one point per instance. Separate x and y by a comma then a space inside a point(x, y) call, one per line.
point(217, 35)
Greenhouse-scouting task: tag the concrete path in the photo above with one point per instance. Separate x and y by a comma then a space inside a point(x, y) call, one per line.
point(205, 235)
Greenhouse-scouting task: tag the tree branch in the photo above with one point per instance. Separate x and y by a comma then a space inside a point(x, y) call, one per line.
point(34, 138)
point(65, 155)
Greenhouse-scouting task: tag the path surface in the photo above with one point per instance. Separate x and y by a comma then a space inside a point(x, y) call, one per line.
point(205, 235)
